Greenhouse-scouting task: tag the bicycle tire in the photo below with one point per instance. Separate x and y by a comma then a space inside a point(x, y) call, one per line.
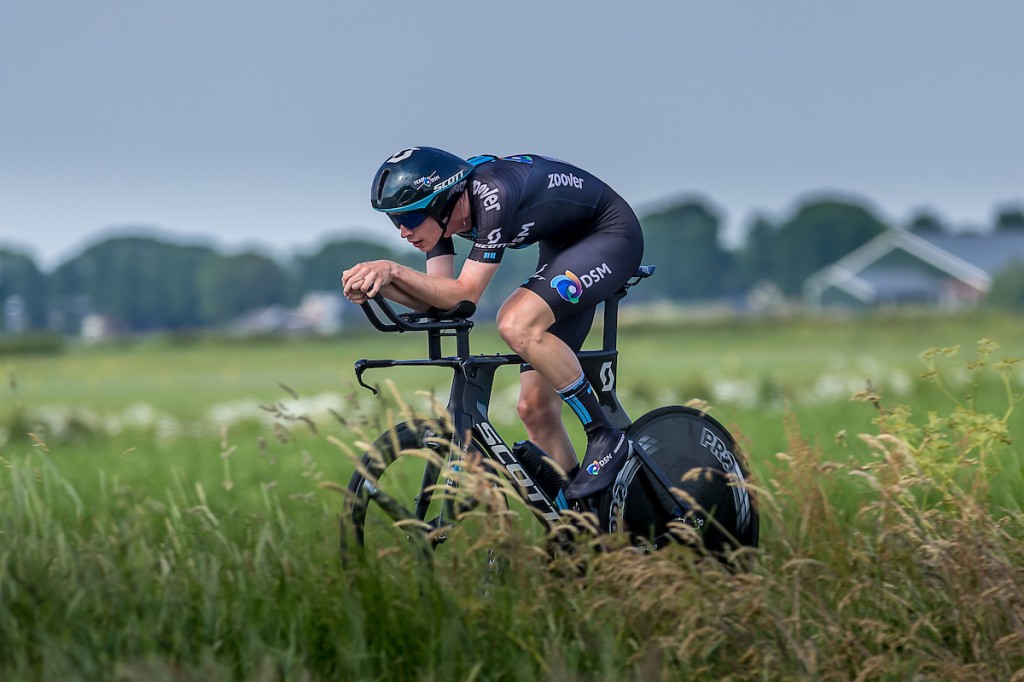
point(366, 488)
point(699, 457)
point(409, 501)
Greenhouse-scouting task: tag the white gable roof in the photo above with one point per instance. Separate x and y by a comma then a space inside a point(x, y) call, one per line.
point(844, 272)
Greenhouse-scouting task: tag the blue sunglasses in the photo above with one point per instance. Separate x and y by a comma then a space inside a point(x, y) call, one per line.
point(410, 220)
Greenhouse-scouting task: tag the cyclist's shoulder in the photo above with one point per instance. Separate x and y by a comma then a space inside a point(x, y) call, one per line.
point(496, 185)
point(501, 186)
point(490, 167)
point(522, 173)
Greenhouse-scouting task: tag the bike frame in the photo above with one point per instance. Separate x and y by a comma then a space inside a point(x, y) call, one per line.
point(473, 383)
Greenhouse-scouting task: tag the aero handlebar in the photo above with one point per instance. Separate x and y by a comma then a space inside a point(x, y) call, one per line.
point(456, 319)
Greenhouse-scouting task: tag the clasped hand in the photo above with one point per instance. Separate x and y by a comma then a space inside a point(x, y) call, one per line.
point(365, 280)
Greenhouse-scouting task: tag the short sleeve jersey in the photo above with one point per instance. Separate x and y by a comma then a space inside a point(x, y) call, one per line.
point(521, 200)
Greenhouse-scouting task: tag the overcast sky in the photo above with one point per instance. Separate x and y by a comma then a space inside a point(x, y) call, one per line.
point(252, 122)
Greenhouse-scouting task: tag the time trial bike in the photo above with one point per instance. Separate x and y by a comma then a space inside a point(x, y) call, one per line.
point(686, 472)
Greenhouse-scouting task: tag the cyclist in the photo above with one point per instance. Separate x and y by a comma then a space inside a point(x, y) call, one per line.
point(590, 243)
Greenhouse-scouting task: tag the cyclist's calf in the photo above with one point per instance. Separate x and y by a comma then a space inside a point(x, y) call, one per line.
point(539, 407)
point(540, 410)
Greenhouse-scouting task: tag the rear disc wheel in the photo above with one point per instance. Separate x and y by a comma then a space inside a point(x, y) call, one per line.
point(699, 457)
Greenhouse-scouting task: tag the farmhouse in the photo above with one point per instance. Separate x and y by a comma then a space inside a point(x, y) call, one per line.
point(943, 270)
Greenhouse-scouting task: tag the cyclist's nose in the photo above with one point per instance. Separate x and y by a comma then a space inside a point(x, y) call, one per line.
point(405, 232)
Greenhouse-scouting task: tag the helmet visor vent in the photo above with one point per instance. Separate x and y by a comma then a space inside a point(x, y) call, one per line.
point(380, 184)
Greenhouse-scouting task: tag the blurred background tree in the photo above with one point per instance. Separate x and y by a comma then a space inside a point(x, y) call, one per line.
point(145, 284)
point(24, 286)
point(683, 239)
point(229, 286)
point(1010, 218)
point(1007, 290)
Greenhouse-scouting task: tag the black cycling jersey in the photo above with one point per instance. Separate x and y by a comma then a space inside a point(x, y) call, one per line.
point(590, 239)
point(521, 200)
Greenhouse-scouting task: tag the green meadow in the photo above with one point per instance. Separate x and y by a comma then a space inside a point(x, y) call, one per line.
point(169, 510)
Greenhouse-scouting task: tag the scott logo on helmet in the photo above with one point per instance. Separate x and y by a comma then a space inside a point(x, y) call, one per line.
point(402, 155)
point(450, 181)
point(564, 180)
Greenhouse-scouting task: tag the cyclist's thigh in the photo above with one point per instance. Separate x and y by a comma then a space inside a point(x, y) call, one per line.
point(571, 330)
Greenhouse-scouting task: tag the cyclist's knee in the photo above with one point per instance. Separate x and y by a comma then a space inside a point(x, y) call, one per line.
point(517, 330)
point(523, 319)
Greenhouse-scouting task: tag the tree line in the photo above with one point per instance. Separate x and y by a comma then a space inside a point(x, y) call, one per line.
point(145, 284)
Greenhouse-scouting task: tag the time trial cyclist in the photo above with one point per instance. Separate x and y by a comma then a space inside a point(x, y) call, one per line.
point(590, 243)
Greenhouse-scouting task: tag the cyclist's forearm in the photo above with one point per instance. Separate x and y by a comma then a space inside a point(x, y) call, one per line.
point(431, 290)
point(393, 292)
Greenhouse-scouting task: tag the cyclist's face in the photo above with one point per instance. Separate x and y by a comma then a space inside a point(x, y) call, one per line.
point(420, 230)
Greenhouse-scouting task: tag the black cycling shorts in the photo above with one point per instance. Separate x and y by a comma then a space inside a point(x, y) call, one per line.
point(574, 279)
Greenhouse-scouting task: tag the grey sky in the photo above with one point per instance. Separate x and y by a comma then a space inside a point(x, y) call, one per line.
point(263, 122)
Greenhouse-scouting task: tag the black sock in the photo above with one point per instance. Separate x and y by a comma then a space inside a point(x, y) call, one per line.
point(583, 400)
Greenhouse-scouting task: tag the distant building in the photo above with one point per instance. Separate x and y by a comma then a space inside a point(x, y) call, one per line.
point(15, 319)
point(319, 312)
point(900, 268)
point(96, 328)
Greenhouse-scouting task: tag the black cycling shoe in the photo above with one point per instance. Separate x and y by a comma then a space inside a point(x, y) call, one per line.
point(607, 452)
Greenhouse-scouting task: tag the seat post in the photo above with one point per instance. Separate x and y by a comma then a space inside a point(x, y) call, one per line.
point(611, 320)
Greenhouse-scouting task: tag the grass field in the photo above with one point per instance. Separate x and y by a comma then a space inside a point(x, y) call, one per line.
point(166, 512)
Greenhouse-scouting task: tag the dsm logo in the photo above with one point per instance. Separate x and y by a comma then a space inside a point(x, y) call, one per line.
point(570, 287)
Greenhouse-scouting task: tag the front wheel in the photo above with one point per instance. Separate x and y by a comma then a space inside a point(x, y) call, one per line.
point(402, 492)
point(391, 491)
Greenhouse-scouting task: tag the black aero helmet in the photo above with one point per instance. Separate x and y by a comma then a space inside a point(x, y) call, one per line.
point(420, 179)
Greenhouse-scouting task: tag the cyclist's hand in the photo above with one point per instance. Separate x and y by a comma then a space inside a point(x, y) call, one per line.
point(365, 280)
